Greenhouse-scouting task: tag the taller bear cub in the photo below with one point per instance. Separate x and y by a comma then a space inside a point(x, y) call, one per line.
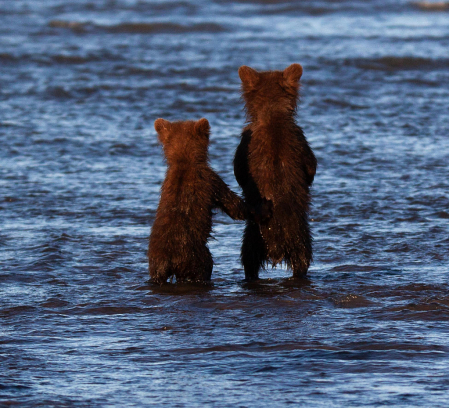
point(274, 162)
point(178, 240)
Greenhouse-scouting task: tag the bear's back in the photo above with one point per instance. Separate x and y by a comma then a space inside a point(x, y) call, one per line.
point(185, 208)
point(277, 158)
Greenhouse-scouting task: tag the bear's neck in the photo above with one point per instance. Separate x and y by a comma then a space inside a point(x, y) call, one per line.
point(186, 163)
point(270, 117)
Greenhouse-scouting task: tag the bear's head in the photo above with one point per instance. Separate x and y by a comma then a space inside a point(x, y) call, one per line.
point(270, 91)
point(184, 141)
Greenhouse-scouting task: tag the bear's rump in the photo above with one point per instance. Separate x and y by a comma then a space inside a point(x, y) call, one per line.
point(181, 255)
point(175, 234)
point(286, 232)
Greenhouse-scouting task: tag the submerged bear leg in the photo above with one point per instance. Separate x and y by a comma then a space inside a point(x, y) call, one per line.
point(253, 251)
point(206, 266)
point(301, 256)
point(159, 272)
point(198, 269)
point(300, 267)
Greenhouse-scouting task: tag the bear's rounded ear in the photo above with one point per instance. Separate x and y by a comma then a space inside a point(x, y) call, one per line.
point(161, 124)
point(293, 74)
point(162, 127)
point(202, 126)
point(249, 76)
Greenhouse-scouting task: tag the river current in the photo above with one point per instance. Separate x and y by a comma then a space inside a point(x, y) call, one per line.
point(81, 83)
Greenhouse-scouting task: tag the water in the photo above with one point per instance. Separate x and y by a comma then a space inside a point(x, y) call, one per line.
point(81, 83)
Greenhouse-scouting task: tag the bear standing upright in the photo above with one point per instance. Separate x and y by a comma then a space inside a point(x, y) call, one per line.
point(178, 240)
point(274, 162)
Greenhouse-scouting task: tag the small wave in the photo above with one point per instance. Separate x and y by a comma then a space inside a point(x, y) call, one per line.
point(312, 10)
point(5, 57)
point(422, 82)
point(121, 70)
point(54, 303)
point(11, 11)
point(317, 8)
point(256, 346)
point(356, 268)
point(399, 346)
point(163, 28)
point(10, 123)
point(427, 310)
point(16, 310)
point(109, 310)
point(58, 92)
point(431, 6)
point(138, 28)
point(72, 25)
point(400, 63)
point(70, 59)
point(67, 59)
point(12, 388)
point(116, 7)
point(352, 301)
point(344, 104)
point(9, 199)
point(263, 1)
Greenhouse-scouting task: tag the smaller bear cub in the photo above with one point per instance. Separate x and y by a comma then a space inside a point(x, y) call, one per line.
point(191, 190)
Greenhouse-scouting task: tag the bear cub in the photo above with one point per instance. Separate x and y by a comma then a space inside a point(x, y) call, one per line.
point(274, 162)
point(191, 190)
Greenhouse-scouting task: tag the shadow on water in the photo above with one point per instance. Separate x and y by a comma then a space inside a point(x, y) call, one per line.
point(178, 289)
point(264, 287)
point(275, 286)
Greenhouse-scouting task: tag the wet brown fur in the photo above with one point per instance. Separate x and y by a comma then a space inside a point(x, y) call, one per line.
point(191, 190)
point(275, 162)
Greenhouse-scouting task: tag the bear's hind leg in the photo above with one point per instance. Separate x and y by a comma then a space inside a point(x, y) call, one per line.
point(253, 251)
point(205, 266)
point(159, 271)
point(300, 267)
point(301, 257)
point(198, 269)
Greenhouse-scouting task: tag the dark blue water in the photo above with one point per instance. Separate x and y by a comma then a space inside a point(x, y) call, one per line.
point(81, 83)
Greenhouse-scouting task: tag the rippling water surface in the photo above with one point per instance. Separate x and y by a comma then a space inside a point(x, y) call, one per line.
point(81, 83)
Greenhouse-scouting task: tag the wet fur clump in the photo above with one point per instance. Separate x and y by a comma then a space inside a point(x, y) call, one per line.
point(275, 163)
point(191, 190)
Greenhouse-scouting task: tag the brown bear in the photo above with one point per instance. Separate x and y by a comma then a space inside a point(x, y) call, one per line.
point(191, 190)
point(275, 162)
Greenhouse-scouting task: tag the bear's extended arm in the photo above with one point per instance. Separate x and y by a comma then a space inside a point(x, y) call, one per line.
point(311, 163)
point(241, 169)
point(308, 156)
point(259, 208)
point(228, 201)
